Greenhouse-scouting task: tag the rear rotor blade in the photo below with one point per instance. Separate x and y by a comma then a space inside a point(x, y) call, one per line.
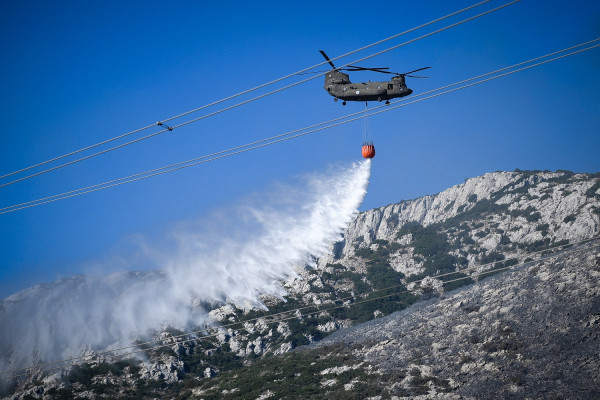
point(327, 58)
point(420, 69)
point(357, 68)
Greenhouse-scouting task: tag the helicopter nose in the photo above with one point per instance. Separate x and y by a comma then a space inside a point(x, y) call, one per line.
point(408, 91)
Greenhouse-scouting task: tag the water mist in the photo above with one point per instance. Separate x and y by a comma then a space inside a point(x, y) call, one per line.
point(244, 252)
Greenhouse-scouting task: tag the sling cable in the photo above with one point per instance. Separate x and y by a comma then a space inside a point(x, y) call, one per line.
point(368, 148)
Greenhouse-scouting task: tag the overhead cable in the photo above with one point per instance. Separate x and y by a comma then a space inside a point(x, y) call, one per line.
point(245, 91)
point(292, 134)
point(350, 63)
point(258, 97)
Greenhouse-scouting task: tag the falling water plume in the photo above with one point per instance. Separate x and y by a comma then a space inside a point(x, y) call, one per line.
point(248, 252)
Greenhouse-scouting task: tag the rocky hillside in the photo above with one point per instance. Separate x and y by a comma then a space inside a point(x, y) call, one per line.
point(529, 333)
point(532, 332)
point(501, 334)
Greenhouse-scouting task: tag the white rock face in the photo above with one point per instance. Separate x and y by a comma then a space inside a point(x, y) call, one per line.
point(538, 191)
point(285, 347)
point(168, 370)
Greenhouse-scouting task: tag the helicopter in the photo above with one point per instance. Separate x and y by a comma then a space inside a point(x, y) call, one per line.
point(339, 86)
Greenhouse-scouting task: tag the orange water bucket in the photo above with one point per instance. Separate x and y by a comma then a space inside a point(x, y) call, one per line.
point(368, 150)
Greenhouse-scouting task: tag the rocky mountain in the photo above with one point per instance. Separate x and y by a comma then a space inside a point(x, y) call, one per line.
point(410, 294)
point(530, 333)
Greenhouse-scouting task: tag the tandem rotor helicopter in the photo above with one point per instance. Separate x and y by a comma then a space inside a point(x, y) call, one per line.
point(339, 86)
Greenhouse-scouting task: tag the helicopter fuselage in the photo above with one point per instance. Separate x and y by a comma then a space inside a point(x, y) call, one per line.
point(338, 85)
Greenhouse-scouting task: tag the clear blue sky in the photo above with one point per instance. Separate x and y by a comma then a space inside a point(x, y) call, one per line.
point(75, 73)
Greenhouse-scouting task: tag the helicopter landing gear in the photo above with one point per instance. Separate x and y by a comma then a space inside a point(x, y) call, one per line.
point(387, 102)
point(335, 99)
point(379, 99)
point(344, 103)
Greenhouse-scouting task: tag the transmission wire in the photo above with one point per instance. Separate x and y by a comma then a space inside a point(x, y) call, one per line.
point(282, 137)
point(254, 98)
point(353, 62)
point(214, 103)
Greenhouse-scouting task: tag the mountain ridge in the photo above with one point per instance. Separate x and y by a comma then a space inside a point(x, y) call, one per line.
point(499, 219)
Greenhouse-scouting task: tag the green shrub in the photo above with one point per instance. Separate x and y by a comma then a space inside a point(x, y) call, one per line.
point(591, 192)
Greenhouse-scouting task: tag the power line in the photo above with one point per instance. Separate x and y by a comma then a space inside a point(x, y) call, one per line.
point(76, 151)
point(255, 145)
point(284, 314)
point(353, 62)
point(491, 78)
point(261, 96)
point(292, 134)
point(161, 123)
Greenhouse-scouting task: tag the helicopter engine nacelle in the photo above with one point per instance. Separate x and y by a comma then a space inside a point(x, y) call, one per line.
point(399, 80)
point(335, 77)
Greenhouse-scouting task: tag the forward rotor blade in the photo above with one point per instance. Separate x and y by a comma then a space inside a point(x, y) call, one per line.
point(420, 69)
point(327, 58)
